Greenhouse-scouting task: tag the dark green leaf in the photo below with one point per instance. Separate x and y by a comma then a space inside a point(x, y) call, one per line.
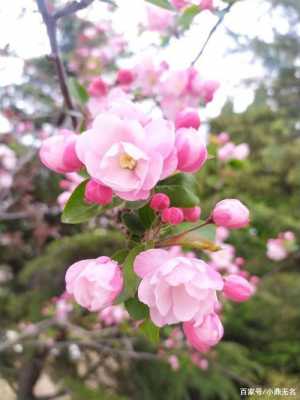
point(131, 280)
point(77, 210)
point(182, 190)
point(135, 205)
point(120, 255)
point(78, 92)
point(150, 330)
point(147, 216)
point(133, 223)
point(162, 3)
point(136, 309)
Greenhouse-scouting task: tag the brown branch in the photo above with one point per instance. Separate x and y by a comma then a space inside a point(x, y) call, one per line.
point(211, 33)
point(72, 8)
point(50, 22)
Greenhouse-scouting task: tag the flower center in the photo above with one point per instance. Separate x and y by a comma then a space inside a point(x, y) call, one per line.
point(127, 162)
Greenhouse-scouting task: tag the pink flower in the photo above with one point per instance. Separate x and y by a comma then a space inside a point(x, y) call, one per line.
point(158, 18)
point(237, 288)
point(126, 156)
point(207, 5)
point(97, 193)
point(179, 4)
point(191, 150)
point(58, 152)
point(176, 288)
point(223, 137)
point(241, 151)
point(192, 214)
point(94, 283)
point(288, 235)
point(113, 315)
point(174, 362)
point(172, 215)
point(98, 88)
point(205, 335)
point(230, 213)
point(206, 89)
point(125, 77)
point(226, 152)
point(159, 201)
point(276, 250)
point(187, 118)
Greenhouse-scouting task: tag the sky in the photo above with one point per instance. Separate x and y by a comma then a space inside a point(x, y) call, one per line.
point(21, 27)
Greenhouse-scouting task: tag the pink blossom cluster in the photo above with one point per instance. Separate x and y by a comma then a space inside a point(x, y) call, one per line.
point(229, 150)
point(113, 315)
point(8, 162)
point(279, 248)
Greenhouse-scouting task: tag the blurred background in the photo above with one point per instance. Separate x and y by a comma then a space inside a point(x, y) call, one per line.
point(254, 53)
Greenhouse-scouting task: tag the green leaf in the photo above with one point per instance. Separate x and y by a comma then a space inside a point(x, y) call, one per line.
point(162, 3)
point(136, 309)
point(78, 92)
point(133, 223)
point(77, 210)
point(135, 205)
point(187, 17)
point(120, 255)
point(147, 216)
point(131, 280)
point(150, 330)
point(182, 190)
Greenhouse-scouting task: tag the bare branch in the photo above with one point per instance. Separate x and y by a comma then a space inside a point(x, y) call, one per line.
point(211, 33)
point(72, 8)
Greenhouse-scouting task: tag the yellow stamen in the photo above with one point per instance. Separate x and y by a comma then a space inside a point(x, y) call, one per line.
point(127, 162)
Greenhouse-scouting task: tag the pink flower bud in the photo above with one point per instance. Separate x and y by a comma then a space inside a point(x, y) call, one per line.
point(206, 335)
point(188, 118)
point(179, 4)
point(58, 152)
point(97, 193)
point(230, 213)
point(172, 215)
point(94, 283)
point(191, 150)
point(97, 88)
point(159, 202)
point(125, 77)
point(223, 138)
point(207, 5)
point(192, 214)
point(237, 288)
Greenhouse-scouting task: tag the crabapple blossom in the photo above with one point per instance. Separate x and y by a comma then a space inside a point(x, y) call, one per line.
point(230, 213)
point(113, 315)
point(192, 214)
point(58, 152)
point(94, 283)
point(126, 156)
point(174, 362)
point(97, 193)
point(276, 250)
point(207, 5)
point(237, 288)
point(159, 201)
point(205, 335)
point(172, 215)
point(158, 19)
point(97, 88)
point(187, 118)
point(191, 150)
point(176, 289)
point(125, 77)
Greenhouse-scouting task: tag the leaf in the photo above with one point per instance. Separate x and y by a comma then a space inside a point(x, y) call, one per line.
point(135, 205)
point(187, 17)
point(136, 309)
point(120, 255)
point(150, 330)
point(77, 210)
point(78, 91)
point(162, 3)
point(131, 280)
point(182, 190)
point(147, 216)
point(133, 223)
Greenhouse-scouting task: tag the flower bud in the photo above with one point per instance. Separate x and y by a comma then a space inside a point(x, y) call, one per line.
point(187, 118)
point(97, 88)
point(237, 288)
point(230, 213)
point(191, 150)
point(159, 202)
point(58, 152)
point(192, 214)
point(97, 193)
point(206, 335)
point(172, 215)
point(125, 77)
point(94, 283)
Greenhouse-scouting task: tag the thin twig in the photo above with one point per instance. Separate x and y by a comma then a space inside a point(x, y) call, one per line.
point(211, 32)
point(71, 8)
point(50, 22)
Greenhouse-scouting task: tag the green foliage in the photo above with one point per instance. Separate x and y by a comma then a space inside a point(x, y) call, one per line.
point(136, 309)
point(162, 3)
point(150, 330)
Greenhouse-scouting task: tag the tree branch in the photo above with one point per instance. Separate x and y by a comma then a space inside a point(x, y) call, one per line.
point(211, 33)
point(50, 22)
point(72, 8)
